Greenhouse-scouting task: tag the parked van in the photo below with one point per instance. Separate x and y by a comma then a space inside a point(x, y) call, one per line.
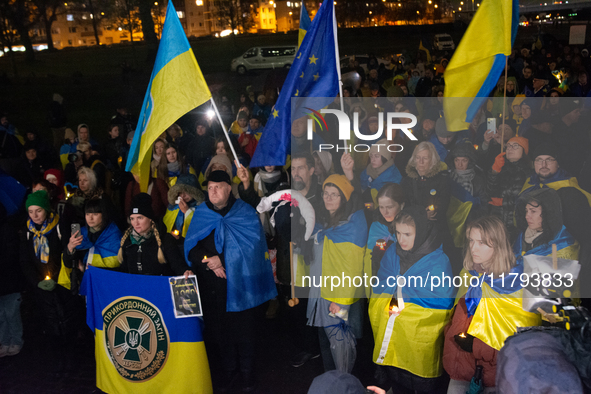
point(443, 42)
point(264, 57)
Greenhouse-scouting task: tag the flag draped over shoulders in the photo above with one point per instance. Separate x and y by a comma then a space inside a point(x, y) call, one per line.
point(241, 238)
point(176, 87)
point(477, 63)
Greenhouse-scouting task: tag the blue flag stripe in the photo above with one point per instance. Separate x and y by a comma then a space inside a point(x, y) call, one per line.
point(173, 39)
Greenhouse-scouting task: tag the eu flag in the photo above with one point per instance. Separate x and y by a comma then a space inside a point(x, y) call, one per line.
point(313, 73)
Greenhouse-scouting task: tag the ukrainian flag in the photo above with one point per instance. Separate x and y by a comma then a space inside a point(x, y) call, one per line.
point(559, 180)
point(342, 254)
point(461, 204)
point(413, 340)
point(140, 347)
point(476, 66)
point(305, 23)
point(176, 87)
point(497, 310)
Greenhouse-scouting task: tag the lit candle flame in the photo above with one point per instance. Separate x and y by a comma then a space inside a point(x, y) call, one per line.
point(431, 207)
point(47, 277)
point(462, 335)
point(175, 232)
point(476, 146)
point(394, 308)
point(204, 257)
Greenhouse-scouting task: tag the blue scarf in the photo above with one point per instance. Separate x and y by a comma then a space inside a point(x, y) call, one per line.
point(107, 244)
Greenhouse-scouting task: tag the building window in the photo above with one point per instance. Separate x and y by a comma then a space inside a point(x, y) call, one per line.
point(264, 21)
point(69, 42)
point(199, 2)
point(180, 14)
point(86, 29)
point(55, 31)
point(70, 18)
point(192, 25)
point(200, 24)
point(72, 29)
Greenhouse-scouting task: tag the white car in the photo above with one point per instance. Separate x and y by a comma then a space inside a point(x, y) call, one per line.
point(443, 42)
point(258, 58)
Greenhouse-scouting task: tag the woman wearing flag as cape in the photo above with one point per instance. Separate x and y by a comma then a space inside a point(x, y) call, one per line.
point(539, 220)
point(486, 313)
point(339, 246)
point(95, 244)
point(408, 317)
point(227, 250)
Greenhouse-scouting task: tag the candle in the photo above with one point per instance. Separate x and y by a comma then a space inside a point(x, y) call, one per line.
point(431, 207)
point(381, 244)
point(368, 205)
point(175, 232)
point(462, 335)
point(47, 277)
point(204, 257)
point(476, 146)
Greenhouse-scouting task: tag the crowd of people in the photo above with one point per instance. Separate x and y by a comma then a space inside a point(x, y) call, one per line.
point(527, 183)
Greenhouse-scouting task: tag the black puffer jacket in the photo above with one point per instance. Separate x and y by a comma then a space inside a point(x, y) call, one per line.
point(506, 185)
point(143, 259)
point(431, 189)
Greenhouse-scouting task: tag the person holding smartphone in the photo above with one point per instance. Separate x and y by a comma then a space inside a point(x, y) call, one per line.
point(95, 244)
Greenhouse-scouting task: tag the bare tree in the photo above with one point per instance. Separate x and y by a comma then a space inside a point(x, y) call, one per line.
point(236, 14)
point(48, 11)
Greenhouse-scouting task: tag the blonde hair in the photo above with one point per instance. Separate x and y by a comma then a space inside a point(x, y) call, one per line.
point(90, 175)
point(428, 146)
point(126, 235)
point(84, 144)
point(494, 234)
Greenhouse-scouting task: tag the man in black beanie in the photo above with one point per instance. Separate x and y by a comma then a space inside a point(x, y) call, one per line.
point(575, 202)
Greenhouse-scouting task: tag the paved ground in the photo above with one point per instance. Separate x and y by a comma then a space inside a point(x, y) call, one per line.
point(28, 372)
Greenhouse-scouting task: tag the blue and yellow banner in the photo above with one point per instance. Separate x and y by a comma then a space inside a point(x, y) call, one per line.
point(140, 347)
point(176, 87)
point(477, 63)
point(305, 23)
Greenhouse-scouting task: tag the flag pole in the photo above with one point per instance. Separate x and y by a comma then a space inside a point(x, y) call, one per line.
point(338, 59)
point(215, 108)
point(504, 106)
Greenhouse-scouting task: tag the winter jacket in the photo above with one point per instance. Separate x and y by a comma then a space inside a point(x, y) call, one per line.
point(431, 189)
point(34, 270)
point(143, 259)
point(503, 189)
point(461, 365)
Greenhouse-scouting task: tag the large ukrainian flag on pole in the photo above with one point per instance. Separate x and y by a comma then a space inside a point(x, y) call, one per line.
point(176, 87)
point(477, 63)
point(140, 347)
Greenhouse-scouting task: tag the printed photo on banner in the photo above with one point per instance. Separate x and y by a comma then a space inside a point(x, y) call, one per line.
point(185, 296)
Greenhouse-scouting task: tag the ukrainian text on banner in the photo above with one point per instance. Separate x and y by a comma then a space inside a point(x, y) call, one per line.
point(140, 347)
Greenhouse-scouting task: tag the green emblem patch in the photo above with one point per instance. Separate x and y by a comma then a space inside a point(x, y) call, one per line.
point(136, 338)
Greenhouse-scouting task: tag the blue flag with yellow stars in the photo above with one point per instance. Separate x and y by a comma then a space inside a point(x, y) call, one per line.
point(313, 73)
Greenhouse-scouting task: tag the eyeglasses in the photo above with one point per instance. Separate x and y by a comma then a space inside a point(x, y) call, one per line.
point(513, 146)
point(331, 196)
point(547, 161)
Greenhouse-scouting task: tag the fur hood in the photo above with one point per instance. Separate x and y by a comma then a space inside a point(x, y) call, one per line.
point(174, 191)
point(411, 171)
